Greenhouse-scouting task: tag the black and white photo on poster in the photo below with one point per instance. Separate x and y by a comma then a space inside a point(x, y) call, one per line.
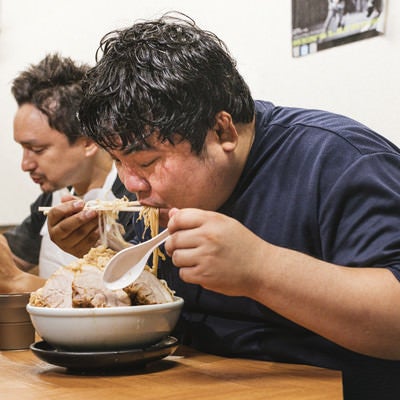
point(321, 24)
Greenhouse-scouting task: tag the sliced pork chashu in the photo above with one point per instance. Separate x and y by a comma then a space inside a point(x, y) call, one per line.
point(57, 292)
point(148, 289)
point(88, 290)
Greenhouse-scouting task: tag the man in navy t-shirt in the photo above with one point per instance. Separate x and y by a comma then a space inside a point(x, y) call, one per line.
point(284, 222)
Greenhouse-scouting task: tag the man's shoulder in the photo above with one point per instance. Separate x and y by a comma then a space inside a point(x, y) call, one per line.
point(316, 126)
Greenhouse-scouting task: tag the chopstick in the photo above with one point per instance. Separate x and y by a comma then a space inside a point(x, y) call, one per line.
point(128, 208)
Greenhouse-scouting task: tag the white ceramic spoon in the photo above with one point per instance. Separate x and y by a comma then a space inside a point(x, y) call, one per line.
point(126, 266)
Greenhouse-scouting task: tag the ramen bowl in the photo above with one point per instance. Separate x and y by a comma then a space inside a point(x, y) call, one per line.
point(16, 329)
point(110, 328)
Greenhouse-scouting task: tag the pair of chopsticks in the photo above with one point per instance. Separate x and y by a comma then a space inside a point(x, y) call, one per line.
point(131, 206)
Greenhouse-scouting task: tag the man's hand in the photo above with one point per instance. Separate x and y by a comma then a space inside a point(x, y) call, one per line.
point(73, 229)
point(214, 251)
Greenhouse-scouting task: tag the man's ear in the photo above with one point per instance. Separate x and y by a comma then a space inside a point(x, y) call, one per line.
point(226, 131)
point(90, 146)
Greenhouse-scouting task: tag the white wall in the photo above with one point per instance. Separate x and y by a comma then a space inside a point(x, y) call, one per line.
point(361, 79)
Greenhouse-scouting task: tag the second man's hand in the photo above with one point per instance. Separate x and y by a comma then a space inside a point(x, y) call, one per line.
point(72, 228)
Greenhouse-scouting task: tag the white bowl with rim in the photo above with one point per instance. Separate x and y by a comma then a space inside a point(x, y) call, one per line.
point(110, 328)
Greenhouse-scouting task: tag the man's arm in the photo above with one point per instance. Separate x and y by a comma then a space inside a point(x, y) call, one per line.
point(12, 279)
point(356, 308)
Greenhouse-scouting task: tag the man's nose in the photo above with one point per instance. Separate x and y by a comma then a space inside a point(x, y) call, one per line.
point(133, 182)
point(28, 162)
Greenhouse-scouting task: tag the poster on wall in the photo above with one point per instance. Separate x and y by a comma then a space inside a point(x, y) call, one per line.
point(321, 24)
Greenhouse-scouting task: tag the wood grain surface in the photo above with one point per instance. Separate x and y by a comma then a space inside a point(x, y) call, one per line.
point(186, 374)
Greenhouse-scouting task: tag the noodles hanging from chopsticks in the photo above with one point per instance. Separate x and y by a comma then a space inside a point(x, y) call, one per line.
point(150, 216)
point(112, 232)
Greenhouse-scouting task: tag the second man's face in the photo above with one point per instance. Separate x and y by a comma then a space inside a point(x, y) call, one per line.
point(51, 161)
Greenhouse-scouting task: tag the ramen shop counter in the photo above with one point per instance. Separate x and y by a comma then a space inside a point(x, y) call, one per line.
point(186, 374)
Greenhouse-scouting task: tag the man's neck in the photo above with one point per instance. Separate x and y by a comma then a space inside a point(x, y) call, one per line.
point(97, 176)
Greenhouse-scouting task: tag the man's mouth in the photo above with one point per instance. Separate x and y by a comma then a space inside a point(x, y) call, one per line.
point(37, 179)
point(155, 205)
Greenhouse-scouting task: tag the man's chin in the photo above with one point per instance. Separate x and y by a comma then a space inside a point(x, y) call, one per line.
point(163, 217)
point(46, 188)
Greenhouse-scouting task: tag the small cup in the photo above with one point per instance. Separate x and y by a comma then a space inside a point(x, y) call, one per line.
point(16, 329)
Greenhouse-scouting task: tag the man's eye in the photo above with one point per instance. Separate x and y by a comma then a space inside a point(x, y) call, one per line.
point(38, 150)
point(148, 163)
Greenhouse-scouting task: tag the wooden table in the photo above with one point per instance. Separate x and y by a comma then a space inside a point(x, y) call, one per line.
point(185, 375)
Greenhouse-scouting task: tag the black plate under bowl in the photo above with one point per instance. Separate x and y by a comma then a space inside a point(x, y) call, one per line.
point(104, 360)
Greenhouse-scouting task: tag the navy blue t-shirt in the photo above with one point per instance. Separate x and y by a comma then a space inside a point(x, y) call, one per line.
point(315, 182)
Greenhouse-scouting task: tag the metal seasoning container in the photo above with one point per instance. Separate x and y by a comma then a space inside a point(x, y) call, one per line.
point(16, 329)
